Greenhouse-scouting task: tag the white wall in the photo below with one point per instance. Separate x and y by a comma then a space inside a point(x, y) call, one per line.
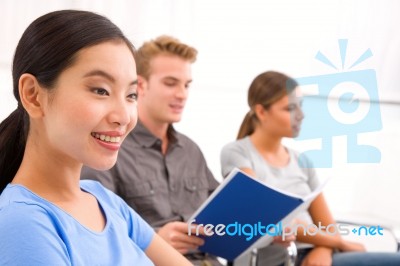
point(238, 40)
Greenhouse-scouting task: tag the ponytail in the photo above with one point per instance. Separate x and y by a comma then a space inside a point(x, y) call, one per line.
point(247, 126)
point(13, 132)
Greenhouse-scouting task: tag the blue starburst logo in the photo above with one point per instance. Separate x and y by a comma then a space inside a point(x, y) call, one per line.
point(344, 103)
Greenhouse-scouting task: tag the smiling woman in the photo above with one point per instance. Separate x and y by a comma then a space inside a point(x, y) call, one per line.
point(75, 83)
point(95, 96)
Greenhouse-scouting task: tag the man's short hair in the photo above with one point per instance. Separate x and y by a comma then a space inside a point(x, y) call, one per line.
point(162, 45)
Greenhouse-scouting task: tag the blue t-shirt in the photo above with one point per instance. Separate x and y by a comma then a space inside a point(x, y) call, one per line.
point(34, 231)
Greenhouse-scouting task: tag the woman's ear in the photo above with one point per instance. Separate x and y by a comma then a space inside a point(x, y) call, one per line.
point(31, 95)
point(259, 111)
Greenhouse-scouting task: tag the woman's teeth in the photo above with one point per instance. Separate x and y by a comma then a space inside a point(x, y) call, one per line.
point(106, 138)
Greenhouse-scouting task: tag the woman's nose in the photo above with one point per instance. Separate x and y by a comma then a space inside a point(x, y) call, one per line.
point(121, 113)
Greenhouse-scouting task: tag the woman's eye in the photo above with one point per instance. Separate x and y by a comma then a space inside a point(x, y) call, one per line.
point(100, 91)
point(291, 108)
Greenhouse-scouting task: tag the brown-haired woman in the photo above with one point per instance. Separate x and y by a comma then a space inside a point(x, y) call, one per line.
point(275, 113)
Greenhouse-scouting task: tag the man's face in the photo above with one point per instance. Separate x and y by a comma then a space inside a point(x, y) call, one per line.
point(163, 95)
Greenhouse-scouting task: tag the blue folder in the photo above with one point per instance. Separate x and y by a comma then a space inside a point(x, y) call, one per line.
point(242, 203)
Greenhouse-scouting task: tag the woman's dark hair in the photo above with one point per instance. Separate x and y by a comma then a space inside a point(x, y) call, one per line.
point(47, 47)
point(266, 89)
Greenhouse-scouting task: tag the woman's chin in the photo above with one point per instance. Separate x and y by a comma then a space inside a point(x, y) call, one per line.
point(294, 135)
point(103, 166)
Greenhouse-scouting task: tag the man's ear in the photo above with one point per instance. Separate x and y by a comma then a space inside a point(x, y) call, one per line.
point(31, 95)
point(142, 85)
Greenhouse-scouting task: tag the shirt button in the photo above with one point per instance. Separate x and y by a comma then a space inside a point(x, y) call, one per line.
point(152, 192)
point(194, 187)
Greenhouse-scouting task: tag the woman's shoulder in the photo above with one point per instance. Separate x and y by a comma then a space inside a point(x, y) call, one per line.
point(29, 229)
point(18, 195)
point(20, 209)
point(237, 145)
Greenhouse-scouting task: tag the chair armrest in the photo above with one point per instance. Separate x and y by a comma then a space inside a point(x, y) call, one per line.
point(290, 260)
point(292, 254)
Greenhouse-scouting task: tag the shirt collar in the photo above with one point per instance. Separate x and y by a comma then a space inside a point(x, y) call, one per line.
point(143, 136)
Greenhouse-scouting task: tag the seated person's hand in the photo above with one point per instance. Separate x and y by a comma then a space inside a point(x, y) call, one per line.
point(318, 256)
point(176, 234)
point(289, 237)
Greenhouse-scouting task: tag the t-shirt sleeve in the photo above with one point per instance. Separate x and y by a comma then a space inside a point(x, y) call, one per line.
point(233, 155)
point(29, 237)
point(140, 231)
point(313, 180)
point(308, 168)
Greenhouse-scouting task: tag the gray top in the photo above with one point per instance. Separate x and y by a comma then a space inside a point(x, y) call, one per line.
point(291, 178)
point(160, 188)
